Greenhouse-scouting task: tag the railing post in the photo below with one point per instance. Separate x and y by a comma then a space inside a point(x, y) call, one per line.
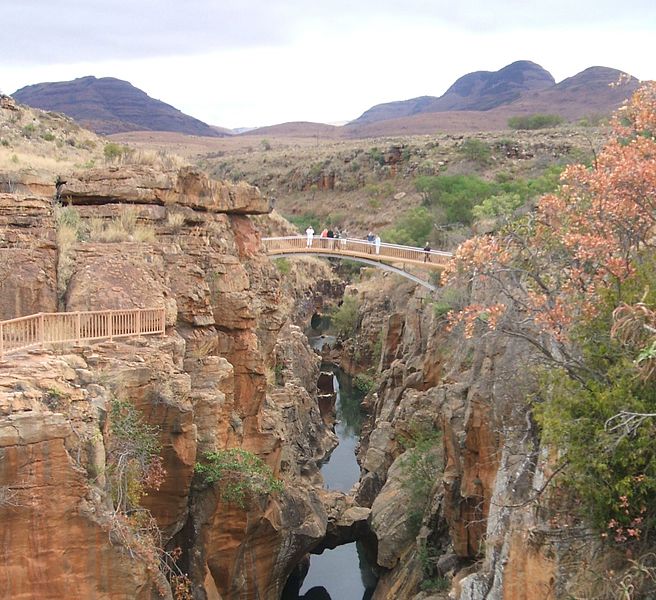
point(162, 321)
point(138, 319)
point(78, 327)
point(41, 330)
point(110, 324)
point(2, 340)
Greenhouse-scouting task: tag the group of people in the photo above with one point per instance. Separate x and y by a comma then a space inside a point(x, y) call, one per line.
point(373, 241)
point(325, 235)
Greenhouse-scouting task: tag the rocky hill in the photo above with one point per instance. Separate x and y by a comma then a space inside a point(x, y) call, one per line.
point(481, 90)
point(107, 105)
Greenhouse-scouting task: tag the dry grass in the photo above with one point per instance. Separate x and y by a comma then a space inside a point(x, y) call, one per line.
point(38, 142)
point(124, 228)
point(175, 220)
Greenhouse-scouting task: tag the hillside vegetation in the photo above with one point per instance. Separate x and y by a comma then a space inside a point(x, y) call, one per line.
point(449, 184)
point(577, 278)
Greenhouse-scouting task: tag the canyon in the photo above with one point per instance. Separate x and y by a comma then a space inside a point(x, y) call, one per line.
point(234, 369)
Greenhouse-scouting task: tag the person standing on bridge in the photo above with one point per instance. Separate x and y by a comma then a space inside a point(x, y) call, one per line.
point(310, 234)
point(370, 241)
point(427, 251)
point(377, 243)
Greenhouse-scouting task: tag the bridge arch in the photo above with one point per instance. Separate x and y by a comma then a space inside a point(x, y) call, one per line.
point(381, 255)
point(367, 261)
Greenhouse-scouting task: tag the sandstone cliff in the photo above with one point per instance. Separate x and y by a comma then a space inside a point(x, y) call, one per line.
point(475, 528)
point(230, 372)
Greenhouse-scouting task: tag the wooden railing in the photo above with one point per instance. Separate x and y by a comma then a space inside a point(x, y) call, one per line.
point(357, 248)
point(56, 328)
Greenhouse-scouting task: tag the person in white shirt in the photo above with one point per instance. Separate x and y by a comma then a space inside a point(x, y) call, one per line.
point(310, 234)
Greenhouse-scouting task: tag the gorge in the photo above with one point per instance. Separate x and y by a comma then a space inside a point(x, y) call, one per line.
point(196, 464)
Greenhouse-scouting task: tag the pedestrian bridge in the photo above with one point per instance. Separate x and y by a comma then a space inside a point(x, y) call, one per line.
point(390, 257)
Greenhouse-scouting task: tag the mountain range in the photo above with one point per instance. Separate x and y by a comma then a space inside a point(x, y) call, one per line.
point(478, 101)
point(107, 105)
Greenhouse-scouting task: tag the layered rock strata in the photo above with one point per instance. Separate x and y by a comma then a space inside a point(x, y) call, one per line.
point(228, 373)
point(478, 525)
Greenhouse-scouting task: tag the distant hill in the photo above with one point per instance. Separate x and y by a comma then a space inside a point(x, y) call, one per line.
point(596, 91)
point(481, 90)
point(297, 129)
point(108, 105)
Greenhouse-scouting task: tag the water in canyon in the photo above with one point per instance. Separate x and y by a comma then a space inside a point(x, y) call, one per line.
point(343, 573)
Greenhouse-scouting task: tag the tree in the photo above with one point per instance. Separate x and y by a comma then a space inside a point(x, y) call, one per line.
point(577, 279)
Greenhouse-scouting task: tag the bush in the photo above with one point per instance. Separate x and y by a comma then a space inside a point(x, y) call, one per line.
point(537, 121)
point(114, 152)
point(345, 318)
point(421, 463)
point(363, 383)
point(413, 228)
point(476, 151)
point(133, 461)
point(242, 477)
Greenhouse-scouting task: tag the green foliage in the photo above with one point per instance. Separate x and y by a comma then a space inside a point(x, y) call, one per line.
point(283, 265)
point(454, 195)
point(435, 584)
point(266, 144)
point(476, 151)
point(421, 464)
point(536, 121)
point(363, 383)
point(611, 470)
point(498, 205)
point(241, 476)
point(69, 217)
point(29, 130)
point(113, 151)
point(345, 318)
point(48, 137)
point(132, 456)
point(412, 229)
point(462, 198)
point(302, 221)
point(376, 156)
point(450, 298)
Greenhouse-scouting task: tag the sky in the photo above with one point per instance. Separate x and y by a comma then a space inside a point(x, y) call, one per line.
point(247, 63)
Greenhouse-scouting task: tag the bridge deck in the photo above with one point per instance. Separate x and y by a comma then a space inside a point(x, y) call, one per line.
point(354, 248)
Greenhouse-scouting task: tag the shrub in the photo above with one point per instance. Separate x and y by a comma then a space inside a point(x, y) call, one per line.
point(283, 265)
point(29, 130)
point(537, 121)
point(476, 151)
point(363, 383)
point(133, 461)
point(376, 156)
point(498, 205)
point(241, 476)
point(113, 151)
point(420, 466)
point(345, 318)
point(412, 229)
point(175, 221)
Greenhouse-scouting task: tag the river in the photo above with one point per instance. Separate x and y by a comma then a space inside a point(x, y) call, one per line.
point(343, 573)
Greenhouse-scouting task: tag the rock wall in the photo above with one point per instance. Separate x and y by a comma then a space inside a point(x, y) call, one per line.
point(477, 532)
point(228, 373)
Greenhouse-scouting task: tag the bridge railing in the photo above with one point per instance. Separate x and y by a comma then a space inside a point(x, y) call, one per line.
point(358, 247)
point(55, 328)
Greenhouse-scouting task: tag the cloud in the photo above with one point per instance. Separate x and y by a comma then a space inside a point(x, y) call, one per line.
point(60, 31)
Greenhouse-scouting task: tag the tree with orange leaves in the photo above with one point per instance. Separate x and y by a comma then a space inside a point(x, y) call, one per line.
point(581, 243)
point(577, 279)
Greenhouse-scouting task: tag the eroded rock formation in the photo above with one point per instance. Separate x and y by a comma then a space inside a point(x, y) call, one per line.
point(228, 373)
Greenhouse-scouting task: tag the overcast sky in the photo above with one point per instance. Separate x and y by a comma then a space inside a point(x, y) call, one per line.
point(258, 62)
